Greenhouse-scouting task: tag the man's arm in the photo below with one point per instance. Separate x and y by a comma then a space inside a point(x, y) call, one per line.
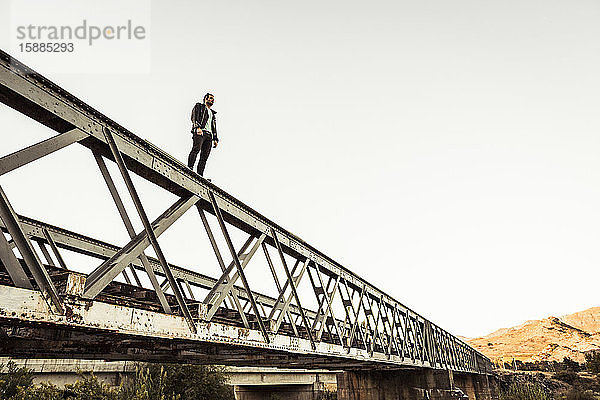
point(214, 130)
point(196, 119)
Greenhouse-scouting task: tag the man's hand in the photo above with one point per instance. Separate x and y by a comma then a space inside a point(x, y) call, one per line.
point(215, 143)
point(198, 131)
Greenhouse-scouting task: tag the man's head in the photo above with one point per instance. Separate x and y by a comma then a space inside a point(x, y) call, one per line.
point(209, 99)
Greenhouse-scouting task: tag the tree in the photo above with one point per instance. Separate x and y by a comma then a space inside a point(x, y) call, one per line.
point(592, 361)
point(570, 365)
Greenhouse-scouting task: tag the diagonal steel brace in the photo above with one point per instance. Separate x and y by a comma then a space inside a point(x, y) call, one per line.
point(234, 297)
point(118, 157)
point(238, 265)
point(12, 224)
point(131, 231)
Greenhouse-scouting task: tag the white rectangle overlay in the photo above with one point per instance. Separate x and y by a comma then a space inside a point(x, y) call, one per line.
point(81, 36)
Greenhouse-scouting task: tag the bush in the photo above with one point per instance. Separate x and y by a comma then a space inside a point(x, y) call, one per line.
point(14, 380)
point(146, 386)
point(575, 394)
point(570, 365)
point(592, 362)
point(151, 382)
point(566, 376)
point(90, 388)
point(193, 382)
point(328, 395)
point(45, 391)
point(526, 391)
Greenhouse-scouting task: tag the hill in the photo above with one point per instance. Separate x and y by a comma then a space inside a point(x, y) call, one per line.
point(549, 339)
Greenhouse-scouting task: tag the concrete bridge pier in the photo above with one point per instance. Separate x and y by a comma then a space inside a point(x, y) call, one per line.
point(412, 384)
point(279, 392)
point(476, 386)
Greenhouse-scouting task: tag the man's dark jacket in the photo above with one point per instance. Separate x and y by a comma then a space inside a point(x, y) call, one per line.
point(200, 116)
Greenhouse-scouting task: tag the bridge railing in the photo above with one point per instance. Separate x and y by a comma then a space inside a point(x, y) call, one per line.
point(351, 314)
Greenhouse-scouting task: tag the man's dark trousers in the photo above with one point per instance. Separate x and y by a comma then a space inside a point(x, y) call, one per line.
point(200, 144)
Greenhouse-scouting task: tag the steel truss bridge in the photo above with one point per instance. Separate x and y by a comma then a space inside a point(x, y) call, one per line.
point(49, 310)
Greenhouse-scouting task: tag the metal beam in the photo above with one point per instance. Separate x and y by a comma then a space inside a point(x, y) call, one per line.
point(224, 289)
point(12, 265)
point(42, 246)
point(213, 242)
point(61, 262)
point(293, 286)
point(32, 261)
point(224, 278)
point(121, 208)
point(278, 285)
point(355, 325)
point(282, 303)
point(236, 260)
point(328, 296)
point(148, 227)
point(85, 245)
point(109, 269)
point(131, 231)
point(25, 156)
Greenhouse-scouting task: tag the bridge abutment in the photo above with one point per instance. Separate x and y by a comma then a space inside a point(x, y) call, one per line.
point(413, 385)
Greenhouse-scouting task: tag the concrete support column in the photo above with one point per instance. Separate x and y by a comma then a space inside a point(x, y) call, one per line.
point(465, 383)
point(486, 387)
point(279, 392)
point(423, 384)
point(477, 387)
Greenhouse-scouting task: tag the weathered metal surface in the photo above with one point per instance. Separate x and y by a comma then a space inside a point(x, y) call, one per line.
point(88, 246)
point(75, 285)
point(28, 306)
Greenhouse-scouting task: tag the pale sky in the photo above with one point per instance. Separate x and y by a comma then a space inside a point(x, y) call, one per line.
point(447, 152)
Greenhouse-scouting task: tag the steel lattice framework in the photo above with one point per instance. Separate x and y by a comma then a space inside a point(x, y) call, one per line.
point(370, 328)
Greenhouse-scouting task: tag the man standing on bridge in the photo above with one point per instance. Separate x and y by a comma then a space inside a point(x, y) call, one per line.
point(204, 132)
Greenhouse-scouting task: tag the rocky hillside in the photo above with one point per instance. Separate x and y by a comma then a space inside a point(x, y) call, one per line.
point(549, 339)
point(588, 320)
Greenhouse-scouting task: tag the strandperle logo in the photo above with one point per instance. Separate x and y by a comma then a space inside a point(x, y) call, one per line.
point(85, 31)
